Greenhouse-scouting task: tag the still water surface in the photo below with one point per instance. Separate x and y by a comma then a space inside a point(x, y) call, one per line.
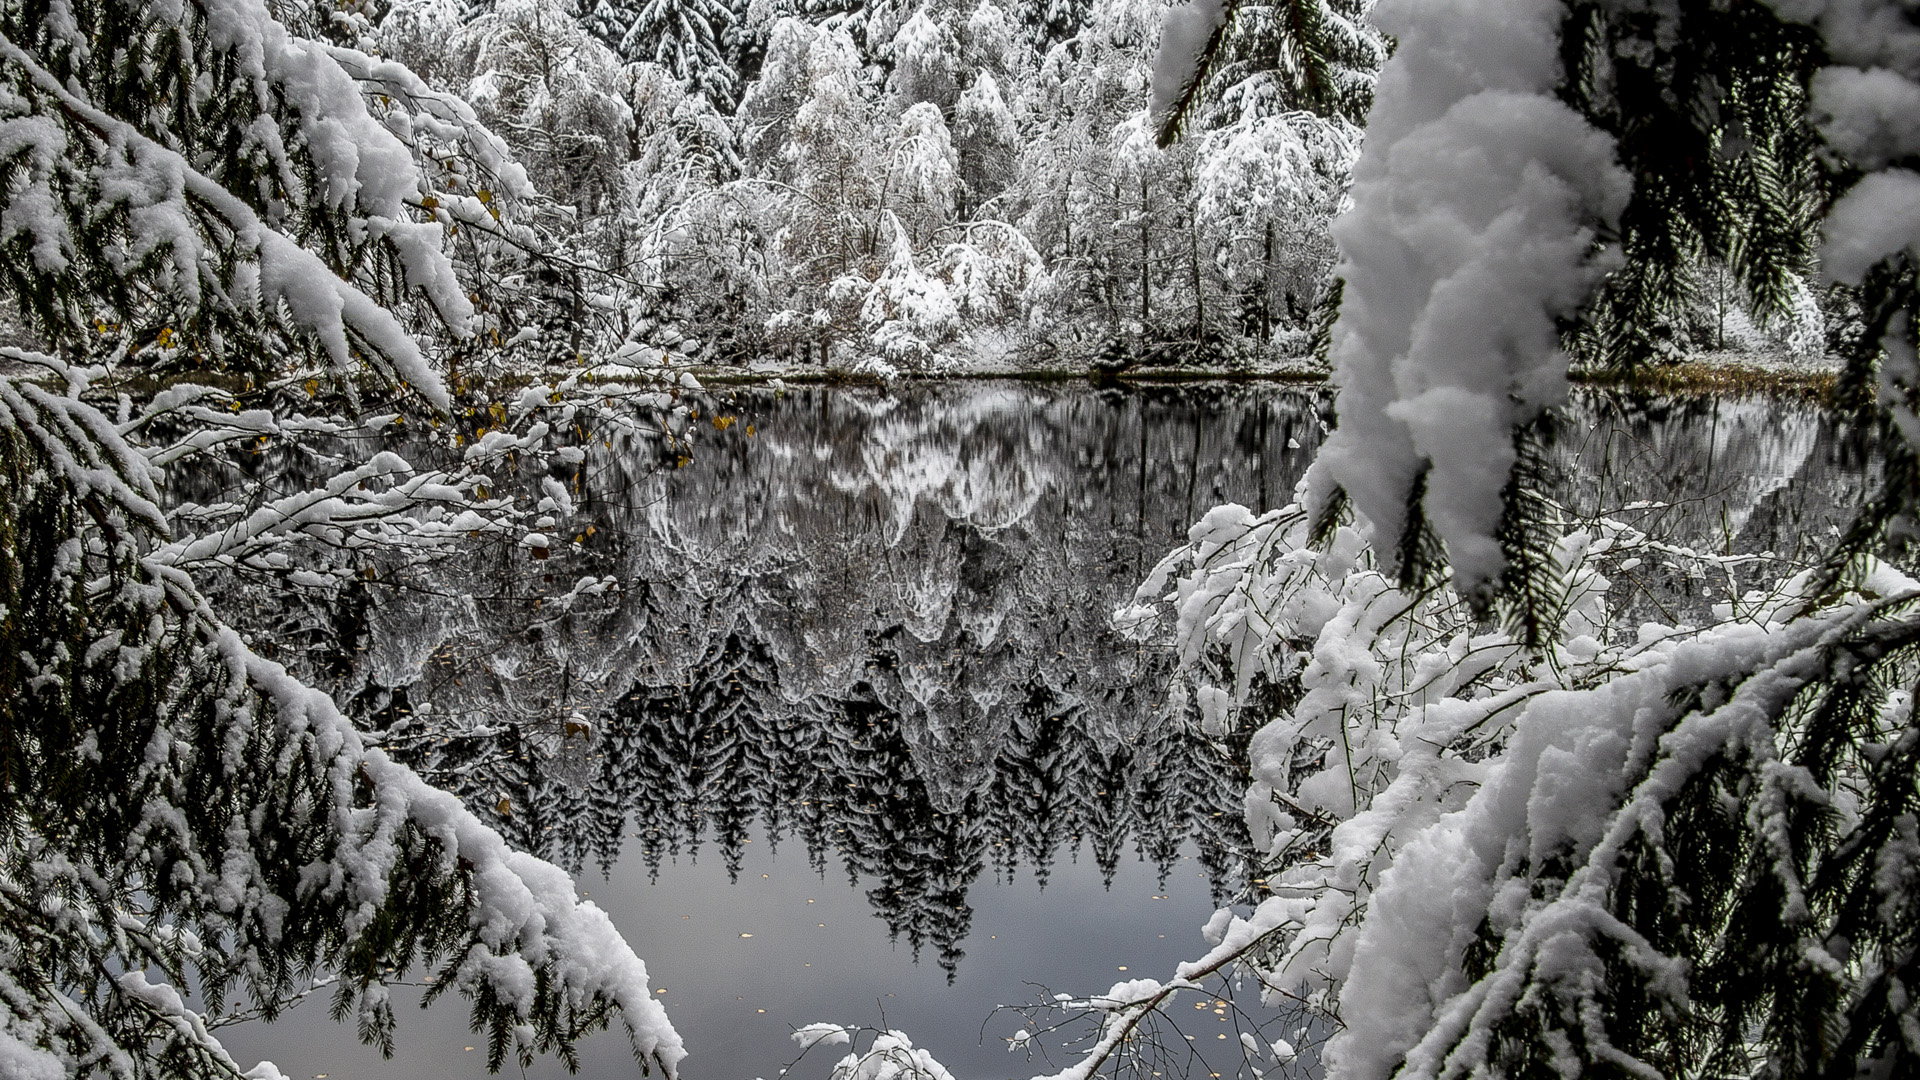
point(850, 739)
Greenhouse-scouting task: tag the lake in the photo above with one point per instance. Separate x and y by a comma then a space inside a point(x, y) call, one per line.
point(846, 735)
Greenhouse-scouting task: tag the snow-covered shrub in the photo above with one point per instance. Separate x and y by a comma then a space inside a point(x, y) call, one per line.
point(904, 296)
point(1418, 776)
point(1264, 621)
point(887, 1055)
point(994, 274)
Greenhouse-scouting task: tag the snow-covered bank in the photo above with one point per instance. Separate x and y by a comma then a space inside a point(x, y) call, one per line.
point(1296, 369)
point(1710, 373)
point(1766, 374)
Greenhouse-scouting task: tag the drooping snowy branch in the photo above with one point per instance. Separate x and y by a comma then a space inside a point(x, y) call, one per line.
point(1397, 707)
point(1189, 34)
point(152, 228)
point(1476, 201)
point(374, 840)
point(1590, 779)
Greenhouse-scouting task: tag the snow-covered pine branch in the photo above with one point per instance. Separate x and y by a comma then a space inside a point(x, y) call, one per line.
point(181, 805)
point(131, 224)
point(383, 503)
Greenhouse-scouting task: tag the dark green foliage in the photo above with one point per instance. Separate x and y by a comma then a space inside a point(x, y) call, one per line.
point(1530, 527)
point(1781, 880)
point(160, 814)
point(1878, 400)
point(1707, 103)
point(1419, 557)
point(1317, 55)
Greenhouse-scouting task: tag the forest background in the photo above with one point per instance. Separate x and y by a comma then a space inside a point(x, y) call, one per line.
point(946, 186)
point(1509, 830)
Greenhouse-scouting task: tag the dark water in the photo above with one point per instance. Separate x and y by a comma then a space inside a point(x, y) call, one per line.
point(850, 739)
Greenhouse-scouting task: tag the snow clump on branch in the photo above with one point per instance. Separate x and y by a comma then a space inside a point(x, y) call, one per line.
point(1475, 202)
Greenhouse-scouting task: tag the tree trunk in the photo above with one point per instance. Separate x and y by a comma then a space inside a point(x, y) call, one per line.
point(1146, 246)
point(1199, 293)
point(1266, 293)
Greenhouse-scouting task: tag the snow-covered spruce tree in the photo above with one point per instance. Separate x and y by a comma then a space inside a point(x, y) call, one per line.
point(1560, 848)
point(1273, 94)
point(1316, 55)
point(193, 191)
point(687, 37)
point(987, 138)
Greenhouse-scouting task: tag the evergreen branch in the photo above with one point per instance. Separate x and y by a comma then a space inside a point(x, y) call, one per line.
point(1187, 100)
point(289, 273)
point(1532, 584)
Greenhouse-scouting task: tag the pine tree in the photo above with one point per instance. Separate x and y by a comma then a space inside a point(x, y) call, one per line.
point(1707, 106)
point(686, 37)
point(217, 197)
point(1315, 55)
point(178, 804)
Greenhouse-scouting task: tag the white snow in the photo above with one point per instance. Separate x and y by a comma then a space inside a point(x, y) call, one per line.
point(1183, 36)
point(891, 1056)
point(814, 1035)
point(1474, 205)
point(1872, 116)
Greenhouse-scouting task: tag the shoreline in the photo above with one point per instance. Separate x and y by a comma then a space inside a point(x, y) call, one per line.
point(1712, 377)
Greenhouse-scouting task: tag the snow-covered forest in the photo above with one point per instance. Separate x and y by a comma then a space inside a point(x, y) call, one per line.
point(354, 350)
point(887, 186)
point(909, 185)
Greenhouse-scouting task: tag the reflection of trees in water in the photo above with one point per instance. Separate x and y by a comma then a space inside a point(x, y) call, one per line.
point(1736, 474)
point(1716, 474)
point(676, 767)
point(878, 625)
